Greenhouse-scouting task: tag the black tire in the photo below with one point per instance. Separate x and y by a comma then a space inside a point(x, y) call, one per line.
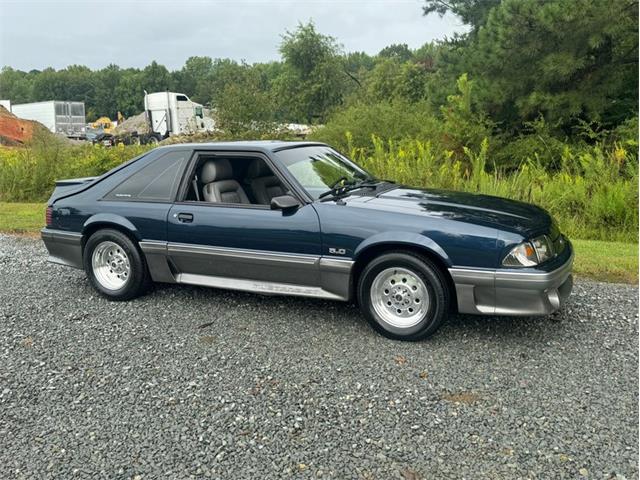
point(153, 139)
point(433, 281)
point(138, 279)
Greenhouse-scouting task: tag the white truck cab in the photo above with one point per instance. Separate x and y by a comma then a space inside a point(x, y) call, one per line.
point(171, 113)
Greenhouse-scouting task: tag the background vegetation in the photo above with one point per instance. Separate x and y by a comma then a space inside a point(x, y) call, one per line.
point(538, 102)
point(571, 61)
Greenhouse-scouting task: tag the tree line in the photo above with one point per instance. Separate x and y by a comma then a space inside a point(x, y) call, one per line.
point(571, 62)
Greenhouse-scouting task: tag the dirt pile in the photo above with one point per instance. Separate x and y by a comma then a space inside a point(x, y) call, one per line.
point(137, 123)
point(15, 131)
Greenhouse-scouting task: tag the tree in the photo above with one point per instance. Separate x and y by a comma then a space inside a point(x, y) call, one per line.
point(313, 80)
point(156, 78)
point(463, 126)
point(397, 51)
point(245, 104)
point(15, 85)
point(568, 60)
point(48, 85)
point(382, 81)
point(79, 87)
point(223, 73)
point(193, 78)
point(358, 62)
point(106, 83)
point(471, 12)
point(411, 84)
point(129, 93)
point(356, 66)
point(390, 79)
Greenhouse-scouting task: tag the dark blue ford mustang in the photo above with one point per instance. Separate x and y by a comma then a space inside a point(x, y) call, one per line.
point(298, 218)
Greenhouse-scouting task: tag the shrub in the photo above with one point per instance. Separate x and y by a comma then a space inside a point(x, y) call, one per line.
point(390, 120)
point(29, 174)
point(593, 193)
point(455, 127)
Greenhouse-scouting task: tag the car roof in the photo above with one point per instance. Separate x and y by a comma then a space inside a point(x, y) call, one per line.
point(251, 145)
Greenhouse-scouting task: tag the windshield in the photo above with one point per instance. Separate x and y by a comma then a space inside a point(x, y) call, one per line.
point(319, 168)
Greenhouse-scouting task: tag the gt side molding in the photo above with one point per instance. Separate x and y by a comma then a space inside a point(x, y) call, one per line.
point(266, 288)
point(333, 274)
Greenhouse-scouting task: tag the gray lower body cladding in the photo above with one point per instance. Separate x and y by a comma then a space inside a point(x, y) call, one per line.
point(249, 270)
point(65, 248)
point(510, 292)
point(479, 291)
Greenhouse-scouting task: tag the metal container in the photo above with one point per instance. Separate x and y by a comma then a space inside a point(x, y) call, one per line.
point(65, 118)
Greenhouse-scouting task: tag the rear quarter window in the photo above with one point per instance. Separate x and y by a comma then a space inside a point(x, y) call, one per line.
point(157, 182)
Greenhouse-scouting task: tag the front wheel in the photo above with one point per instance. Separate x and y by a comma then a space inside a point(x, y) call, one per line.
point(114, 265)
point(403, 295)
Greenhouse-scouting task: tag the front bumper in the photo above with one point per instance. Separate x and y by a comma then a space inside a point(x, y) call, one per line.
point(511, 291)
point(64, 247)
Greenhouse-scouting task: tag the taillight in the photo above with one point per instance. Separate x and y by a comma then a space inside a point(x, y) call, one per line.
point(47, 216)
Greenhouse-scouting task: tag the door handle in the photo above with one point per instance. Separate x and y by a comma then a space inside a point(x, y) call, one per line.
point(185, 217)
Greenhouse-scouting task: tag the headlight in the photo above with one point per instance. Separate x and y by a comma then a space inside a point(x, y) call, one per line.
point(529, 254)
point(543, 247)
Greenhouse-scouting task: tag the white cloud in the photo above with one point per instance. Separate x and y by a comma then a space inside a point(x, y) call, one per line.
point(38, 34)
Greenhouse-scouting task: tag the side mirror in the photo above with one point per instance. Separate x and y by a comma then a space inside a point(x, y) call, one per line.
point(284, 203)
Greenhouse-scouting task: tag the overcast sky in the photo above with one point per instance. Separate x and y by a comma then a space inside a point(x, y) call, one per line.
point(57, 33)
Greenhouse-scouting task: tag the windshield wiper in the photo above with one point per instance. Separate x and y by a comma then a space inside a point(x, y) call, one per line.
point(344, 186)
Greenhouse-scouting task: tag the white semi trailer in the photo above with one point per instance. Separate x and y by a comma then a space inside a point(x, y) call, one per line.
point(66, 118)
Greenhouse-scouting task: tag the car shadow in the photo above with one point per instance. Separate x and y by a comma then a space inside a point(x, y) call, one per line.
point(345, 317)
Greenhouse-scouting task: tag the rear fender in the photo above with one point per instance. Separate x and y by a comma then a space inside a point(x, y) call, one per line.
point(106, 220)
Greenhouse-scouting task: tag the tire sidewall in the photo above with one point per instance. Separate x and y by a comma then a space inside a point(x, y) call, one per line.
point(137, 278)
point(438, 307)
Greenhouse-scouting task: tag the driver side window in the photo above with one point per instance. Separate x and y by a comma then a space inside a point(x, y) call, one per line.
point(234, 180)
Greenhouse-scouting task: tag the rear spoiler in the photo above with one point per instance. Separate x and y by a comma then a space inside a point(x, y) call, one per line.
point(74, 181)
point(68, 187)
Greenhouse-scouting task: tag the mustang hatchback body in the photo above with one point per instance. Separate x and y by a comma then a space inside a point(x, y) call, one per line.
point(298, 218)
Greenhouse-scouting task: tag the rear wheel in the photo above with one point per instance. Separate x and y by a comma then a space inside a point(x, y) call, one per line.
point(404, 296)
point(115, 266)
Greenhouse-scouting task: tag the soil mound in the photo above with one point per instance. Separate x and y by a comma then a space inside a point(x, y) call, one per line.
point(16, 131)
point(137, 123)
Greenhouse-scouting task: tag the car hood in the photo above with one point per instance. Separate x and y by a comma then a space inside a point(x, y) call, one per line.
point(500, 213)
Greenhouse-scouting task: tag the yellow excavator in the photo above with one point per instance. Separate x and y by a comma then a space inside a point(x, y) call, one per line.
point(106, 124)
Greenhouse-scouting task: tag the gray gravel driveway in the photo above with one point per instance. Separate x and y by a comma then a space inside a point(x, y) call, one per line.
point(199, 383)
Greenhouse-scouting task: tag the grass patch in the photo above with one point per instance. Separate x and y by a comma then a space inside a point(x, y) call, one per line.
point(605, 261)
point(21, 217)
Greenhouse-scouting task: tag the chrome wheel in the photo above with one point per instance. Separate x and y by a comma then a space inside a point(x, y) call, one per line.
point(399, 297)
point(110, 265)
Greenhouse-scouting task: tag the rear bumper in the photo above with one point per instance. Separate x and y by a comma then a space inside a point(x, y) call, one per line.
point(64, 247)
point(512, 292)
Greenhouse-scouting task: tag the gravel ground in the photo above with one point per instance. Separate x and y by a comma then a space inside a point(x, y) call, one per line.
point(197, 383)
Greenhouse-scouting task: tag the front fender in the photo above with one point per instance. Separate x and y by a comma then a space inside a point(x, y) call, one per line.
point(403, 238)
point(106, 219)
